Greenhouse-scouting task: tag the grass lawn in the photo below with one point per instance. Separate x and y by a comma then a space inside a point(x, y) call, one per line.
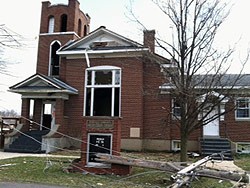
point(243, 161)
point(50, 171)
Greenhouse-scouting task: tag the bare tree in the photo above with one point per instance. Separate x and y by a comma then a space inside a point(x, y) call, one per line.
point(198, 79)
point(9, 113)
point(8, 39)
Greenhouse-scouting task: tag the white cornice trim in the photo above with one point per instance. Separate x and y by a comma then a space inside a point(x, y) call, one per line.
point(59, 33)
point(32, 78)
point(93, 52)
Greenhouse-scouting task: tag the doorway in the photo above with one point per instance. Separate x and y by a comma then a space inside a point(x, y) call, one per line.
point(212, 128)
point(48, 115)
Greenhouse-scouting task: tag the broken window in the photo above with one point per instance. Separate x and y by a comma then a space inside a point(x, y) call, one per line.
point(102, 91)
point(64, 19)
point(54, 60)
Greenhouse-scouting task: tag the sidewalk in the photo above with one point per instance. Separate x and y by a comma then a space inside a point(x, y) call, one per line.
point(7, 155)
point(26, 185)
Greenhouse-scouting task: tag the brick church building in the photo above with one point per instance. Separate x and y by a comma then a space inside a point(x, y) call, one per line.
point(97, 79)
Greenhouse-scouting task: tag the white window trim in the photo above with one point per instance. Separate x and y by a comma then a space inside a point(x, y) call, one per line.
point(50, 49)
point(243, 143)
point(242, 118)
point(93, 86)
point(172, 109)
point(174, 145)
point(51, 27)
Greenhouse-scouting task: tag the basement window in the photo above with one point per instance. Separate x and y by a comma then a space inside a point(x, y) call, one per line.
point(243, 147)
point(176, 145)
point(102, 91)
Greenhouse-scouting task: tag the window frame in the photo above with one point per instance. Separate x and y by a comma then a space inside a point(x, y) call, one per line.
point(173, 107)
point(51, 24)
point(242, 108)
point(92, 86)
point(175, 145)
point(51, 67)
point(63, 23)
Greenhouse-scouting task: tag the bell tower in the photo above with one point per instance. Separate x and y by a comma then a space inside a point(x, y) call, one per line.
point(59, 24)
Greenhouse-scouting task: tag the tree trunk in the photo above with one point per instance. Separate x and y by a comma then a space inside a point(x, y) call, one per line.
point(184, 144)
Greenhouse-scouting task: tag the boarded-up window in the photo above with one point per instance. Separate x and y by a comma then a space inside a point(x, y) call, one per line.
point(51, 24)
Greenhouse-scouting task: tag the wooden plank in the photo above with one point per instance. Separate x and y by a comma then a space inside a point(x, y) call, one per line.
point(164, 166)
point(194, 165)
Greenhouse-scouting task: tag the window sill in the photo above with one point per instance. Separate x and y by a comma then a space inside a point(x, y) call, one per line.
point(242, 119)
point(102, 117)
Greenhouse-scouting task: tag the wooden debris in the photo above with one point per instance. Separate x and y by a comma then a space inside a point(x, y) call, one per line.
point(182, 175)
point(164, 166)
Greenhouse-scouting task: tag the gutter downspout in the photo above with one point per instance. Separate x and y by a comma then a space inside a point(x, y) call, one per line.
point(87, 58)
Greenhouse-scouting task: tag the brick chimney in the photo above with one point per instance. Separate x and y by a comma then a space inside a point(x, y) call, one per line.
point(149, 39)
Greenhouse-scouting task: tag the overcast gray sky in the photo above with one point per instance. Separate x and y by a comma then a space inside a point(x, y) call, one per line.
point(23, 17)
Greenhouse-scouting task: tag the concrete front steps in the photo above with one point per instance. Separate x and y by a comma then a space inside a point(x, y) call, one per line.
point(212, 145)
point(29, 142)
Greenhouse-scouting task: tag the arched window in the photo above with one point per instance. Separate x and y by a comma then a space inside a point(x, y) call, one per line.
point(64, 20)
point(85, 31)
point(102, 91)
point(54, 59)
point(51, 24)
point(79, 28)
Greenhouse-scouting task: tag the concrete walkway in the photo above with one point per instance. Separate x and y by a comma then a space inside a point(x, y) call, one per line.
point(26, 185)
point(7, 155)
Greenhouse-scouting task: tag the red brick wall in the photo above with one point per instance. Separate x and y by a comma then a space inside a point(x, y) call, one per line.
point(44, 49)
point(37, 113)
point(73, 73)
point(73, 15)
point(131, 91)
point(72, 11)
point(235, 130)
point(142, 105)
point(25, 114)
point(156, 105)
point(116, 142)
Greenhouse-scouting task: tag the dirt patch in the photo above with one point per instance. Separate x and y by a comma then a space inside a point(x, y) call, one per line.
point(227, 166)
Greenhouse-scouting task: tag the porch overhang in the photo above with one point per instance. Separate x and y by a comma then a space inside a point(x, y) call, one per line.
point(63, 96)
point(41, 87)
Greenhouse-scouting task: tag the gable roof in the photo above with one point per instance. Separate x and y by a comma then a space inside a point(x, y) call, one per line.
point(39, 83)
point(101, 40)
point(226, 81)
